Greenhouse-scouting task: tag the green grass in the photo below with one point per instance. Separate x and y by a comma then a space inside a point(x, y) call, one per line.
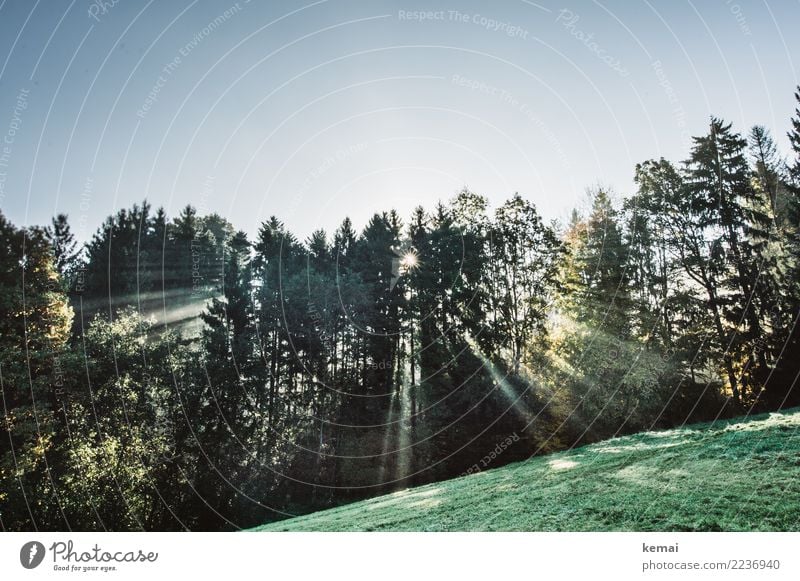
point(736, 475)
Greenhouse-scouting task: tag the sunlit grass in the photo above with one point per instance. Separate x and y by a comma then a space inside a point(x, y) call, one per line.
point(739, 475)
point(562, 464)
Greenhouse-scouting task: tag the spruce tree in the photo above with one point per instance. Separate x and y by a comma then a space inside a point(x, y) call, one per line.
point(65, 249)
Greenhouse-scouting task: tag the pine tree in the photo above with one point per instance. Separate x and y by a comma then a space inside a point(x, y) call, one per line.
point(526, 257)
point(184, 255)
point(768, 172)
point(65, 249)
point(783, 321)
point(794, 141)
point(35, 320)
point(113, 261)
point(661, 245)
point(793, 203)
point(601, 257)
point(726, 206)
point(233, 384)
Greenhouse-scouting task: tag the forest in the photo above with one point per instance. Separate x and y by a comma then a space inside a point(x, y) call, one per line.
point(175, 373)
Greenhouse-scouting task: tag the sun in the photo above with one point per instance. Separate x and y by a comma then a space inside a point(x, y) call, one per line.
point(409, 261)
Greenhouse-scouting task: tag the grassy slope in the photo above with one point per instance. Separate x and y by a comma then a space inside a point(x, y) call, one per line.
point(742, 474)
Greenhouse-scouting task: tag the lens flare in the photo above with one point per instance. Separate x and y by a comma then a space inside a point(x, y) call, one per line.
point(410, 260)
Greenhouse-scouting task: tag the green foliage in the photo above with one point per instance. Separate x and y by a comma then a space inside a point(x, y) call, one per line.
point(526, 256)
point(213, 383)
point(35, 320)
point(66, 252)
point(596, 276)
point(696, 478)
point(617, 384)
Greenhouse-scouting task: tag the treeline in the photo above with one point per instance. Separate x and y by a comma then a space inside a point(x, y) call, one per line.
point(175, 374)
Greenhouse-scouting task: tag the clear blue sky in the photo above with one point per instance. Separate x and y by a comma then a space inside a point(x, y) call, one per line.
point(316, 110)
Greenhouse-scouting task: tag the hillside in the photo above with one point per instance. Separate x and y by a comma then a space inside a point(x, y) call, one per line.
point(737, 475)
